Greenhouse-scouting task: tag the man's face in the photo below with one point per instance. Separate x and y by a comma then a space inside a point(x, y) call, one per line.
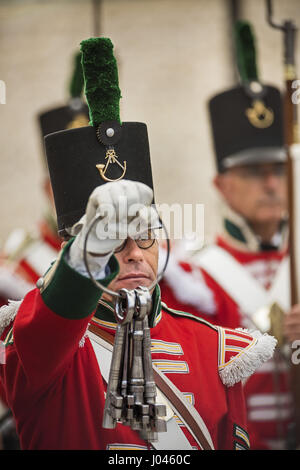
point(138, 267)
point(257, 192)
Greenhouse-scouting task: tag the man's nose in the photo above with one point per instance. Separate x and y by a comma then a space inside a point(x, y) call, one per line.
point(132, 252)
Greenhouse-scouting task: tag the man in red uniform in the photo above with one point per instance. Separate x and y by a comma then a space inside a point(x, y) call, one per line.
point(235, 295)
point(246, 270)
point(57, 341)
point(52, 368)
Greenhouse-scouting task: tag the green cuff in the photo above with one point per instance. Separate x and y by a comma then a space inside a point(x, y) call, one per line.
point(72, 295)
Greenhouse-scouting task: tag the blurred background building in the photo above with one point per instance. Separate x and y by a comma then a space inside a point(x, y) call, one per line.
point(173, 55)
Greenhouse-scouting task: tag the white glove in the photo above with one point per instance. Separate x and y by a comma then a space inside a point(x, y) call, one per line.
point(125, 207)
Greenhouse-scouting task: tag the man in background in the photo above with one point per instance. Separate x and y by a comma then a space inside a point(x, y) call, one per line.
point(238, 278)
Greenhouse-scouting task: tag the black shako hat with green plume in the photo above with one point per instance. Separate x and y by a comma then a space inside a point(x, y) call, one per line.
point(75, 113)
point(81, 159)
point(247, 120)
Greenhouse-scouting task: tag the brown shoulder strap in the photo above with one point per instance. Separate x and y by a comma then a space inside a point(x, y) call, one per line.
point(171, 392)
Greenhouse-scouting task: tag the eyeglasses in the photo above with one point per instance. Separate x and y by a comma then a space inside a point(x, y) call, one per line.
point(144, 242)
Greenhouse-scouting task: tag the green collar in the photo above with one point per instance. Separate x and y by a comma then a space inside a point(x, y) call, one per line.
point(242, 233)
point(105, 309)
point(234, 231)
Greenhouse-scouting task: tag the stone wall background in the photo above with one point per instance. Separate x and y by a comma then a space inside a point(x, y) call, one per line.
point(173, 55)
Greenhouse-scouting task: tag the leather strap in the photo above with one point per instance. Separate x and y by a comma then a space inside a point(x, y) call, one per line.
point(183, 408)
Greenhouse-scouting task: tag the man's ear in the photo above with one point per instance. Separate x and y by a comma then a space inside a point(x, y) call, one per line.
point(218, 182)
point(222, 184)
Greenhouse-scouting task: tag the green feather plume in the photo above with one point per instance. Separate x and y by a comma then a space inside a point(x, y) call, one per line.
point(100, 73)
point(245, 51)
point(76, 82)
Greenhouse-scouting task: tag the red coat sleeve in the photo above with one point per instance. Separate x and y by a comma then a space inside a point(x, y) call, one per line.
point(44, 341)
point(48, 328)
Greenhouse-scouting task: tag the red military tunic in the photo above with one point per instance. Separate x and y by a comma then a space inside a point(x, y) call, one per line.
point(54, 386)
point(268, 399)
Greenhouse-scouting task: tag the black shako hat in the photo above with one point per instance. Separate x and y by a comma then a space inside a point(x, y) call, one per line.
point(107, 150)
point(72, 115)
point(247, 120)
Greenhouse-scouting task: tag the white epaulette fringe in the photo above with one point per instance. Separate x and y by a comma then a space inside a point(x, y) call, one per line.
point(8, 313)
point(257, 349)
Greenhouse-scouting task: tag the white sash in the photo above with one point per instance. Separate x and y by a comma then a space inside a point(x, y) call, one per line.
point(242, 287)
point(39, 255)
point(174, 438)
